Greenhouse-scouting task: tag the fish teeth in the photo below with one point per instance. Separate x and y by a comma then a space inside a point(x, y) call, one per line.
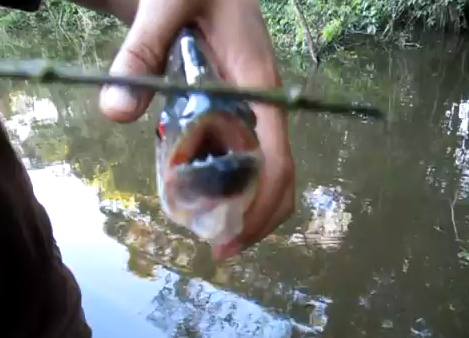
point(208, 159)
point(197, 163)
point(200, 163)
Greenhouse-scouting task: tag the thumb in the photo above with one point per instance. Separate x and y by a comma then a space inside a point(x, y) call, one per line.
point(144, 52)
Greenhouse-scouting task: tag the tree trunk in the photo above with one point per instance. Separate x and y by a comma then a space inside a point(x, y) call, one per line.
point(304, 25)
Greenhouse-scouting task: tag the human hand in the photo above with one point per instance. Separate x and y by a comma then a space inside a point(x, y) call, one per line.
point(240, 47)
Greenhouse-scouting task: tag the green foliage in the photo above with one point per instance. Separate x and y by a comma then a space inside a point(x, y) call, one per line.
point(281, 26)
point(329, 20)
point(58, 15)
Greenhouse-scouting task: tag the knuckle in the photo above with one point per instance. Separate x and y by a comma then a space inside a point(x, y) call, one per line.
point(148, 56)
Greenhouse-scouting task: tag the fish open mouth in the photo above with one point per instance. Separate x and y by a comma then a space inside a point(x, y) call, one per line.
point(212, 144)
point(218, 157)
point(213, 136)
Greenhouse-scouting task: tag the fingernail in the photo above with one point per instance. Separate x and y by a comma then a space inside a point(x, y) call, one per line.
point(121, 98)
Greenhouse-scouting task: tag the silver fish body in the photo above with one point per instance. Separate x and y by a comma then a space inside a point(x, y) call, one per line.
point(207, 153)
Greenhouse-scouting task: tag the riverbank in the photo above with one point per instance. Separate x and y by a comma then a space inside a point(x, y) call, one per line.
point(319, 28)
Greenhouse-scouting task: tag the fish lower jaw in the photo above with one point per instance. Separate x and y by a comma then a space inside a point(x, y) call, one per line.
point(218, 224)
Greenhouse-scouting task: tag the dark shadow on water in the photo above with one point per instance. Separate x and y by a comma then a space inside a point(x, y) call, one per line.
point(378, 245)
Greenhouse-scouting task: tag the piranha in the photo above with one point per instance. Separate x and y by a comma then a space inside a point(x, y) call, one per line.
point(208, 156)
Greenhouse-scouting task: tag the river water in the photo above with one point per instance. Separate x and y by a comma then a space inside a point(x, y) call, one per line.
point(376, 248)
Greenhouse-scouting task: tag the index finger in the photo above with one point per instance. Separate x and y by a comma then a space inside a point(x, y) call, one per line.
point(241, 43)
point(242, 50)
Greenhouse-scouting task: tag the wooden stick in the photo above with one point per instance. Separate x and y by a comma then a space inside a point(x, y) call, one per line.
point(44, 71)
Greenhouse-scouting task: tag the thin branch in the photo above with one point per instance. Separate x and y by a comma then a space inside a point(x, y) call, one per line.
point(304, 25)
point(44, 71)
point(453, 221)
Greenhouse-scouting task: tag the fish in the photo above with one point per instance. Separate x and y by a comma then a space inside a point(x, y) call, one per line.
point(208, 155)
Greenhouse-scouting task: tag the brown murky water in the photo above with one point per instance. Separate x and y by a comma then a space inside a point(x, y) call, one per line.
point(377, 247)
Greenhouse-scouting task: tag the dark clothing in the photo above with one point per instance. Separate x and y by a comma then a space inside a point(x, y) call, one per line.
point(39, 294)
point(25, 5)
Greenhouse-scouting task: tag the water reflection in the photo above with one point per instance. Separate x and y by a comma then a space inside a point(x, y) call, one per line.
point(461, 156)
point(377, 248)
point(329, 220)
point(172, 302)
